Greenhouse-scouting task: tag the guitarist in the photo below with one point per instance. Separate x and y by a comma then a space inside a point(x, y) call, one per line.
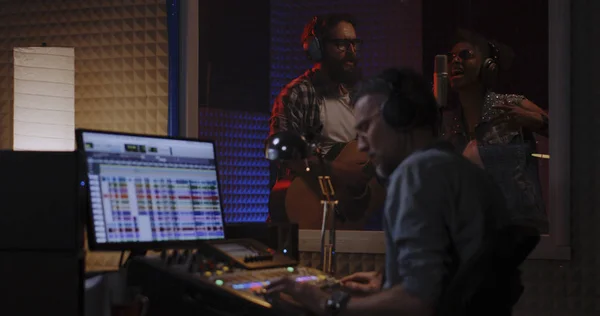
point(317, 103)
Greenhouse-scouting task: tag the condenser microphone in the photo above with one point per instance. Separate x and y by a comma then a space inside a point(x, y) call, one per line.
point(440, 80)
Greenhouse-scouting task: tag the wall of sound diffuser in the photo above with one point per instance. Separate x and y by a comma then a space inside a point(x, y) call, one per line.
point(243, 169)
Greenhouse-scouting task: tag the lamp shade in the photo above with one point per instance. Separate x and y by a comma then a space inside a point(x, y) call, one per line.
point(286, 146)
point(44, 99)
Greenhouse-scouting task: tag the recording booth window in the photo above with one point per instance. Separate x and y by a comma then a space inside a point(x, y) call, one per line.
point(556, 243)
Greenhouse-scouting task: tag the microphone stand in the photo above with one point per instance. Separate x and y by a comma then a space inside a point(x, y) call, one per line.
point(328, 246)
point(330, 203)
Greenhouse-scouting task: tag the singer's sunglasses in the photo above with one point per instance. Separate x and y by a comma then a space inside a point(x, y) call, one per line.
point(464, 54)
point(344, 44)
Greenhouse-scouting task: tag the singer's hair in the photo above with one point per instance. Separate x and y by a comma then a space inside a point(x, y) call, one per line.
point(505, 54)
point(410, 88)
point(325, 24)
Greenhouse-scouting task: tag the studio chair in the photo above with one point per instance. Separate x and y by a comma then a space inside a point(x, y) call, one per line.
point(489, 283)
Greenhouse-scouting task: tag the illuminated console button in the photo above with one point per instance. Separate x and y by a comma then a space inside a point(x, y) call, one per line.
point(219, 282)
point(225, 269)
point(207, 273)
point(290, 269)
point(219, 272)
point(322, 277)
point(260, 292)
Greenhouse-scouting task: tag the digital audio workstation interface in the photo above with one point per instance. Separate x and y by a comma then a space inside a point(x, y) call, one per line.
point(145, 189)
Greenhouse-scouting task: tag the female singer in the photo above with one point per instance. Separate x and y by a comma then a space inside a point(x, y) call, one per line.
point(495, 130)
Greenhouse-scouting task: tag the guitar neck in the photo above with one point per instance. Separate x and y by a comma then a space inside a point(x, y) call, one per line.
point(334, 151)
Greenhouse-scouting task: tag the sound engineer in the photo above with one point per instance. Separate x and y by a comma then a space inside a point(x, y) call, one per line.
point(440, 207)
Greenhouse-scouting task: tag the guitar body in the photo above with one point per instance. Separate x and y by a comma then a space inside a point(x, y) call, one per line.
point(300, 198)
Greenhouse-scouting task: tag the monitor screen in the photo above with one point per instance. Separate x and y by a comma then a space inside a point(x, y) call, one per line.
point(153, 190)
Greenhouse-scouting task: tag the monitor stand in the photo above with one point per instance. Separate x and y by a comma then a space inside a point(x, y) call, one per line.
point(176, 256)
point(135, 253)
point(167, 256)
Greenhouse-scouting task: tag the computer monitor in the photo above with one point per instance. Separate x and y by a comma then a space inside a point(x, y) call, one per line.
point(149, 192)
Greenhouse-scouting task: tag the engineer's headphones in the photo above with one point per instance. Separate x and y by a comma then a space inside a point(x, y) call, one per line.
point(489, 68)
point(401, 110)
point(398, 111)
point(312, 44)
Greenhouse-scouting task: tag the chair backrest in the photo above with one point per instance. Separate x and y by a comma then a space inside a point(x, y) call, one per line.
point(489, 282)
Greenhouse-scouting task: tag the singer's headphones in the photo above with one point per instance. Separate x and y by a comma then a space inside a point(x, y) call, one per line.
point(312, 43)
point(490, 67)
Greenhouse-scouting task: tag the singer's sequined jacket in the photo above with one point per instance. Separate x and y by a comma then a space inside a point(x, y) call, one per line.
point(506, 155)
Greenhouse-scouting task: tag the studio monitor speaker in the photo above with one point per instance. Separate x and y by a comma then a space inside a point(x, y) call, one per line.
point(41, 234)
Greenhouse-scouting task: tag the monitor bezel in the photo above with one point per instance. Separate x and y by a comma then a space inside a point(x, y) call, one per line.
point(136, 246)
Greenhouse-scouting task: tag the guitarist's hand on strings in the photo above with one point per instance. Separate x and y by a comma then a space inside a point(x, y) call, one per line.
point(347, 175)
point(355, 181)
point(352, 190)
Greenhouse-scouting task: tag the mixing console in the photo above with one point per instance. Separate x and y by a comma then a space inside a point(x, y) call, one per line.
point(250, 283)
point(220, 276)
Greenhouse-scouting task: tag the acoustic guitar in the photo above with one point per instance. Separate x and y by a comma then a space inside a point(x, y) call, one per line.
point(300, 198)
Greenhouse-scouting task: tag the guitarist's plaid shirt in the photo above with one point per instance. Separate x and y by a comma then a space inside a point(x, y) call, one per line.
point(297, 107)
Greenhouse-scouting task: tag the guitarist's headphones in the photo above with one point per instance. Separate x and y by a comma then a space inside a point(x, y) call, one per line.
point(312, 43)
point(490, 67)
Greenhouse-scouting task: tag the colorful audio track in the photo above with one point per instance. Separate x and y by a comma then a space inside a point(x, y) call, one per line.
point(153, 208)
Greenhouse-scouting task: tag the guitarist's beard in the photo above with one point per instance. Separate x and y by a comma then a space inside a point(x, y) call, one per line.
point(340, 74)
point(348, 77)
